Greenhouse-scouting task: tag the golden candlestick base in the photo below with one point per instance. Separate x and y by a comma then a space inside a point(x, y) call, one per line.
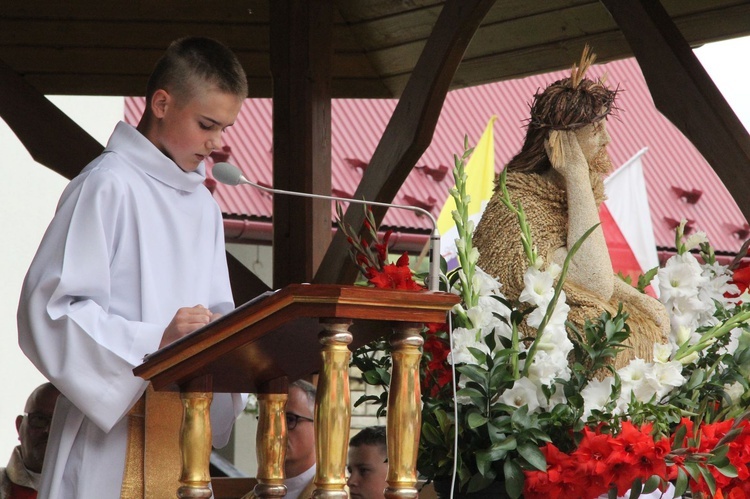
point(195, 445)
point(333, 411)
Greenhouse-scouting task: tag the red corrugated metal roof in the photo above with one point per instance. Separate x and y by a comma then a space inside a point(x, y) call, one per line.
point(674, 170)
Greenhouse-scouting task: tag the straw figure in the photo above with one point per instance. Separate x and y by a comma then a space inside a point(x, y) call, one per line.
point(558, 179)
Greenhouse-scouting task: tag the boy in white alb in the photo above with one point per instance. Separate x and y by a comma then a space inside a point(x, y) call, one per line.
point(133, 260)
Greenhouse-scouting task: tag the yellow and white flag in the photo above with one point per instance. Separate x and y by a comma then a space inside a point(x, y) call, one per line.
point(480, 182)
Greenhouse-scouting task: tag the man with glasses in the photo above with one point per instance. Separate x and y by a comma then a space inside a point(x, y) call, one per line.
point(20, 479)
point(299, 465)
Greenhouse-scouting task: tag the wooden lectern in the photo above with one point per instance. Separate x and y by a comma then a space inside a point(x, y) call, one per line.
point(268, 342)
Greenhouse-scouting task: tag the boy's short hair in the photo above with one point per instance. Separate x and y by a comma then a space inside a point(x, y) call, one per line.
point(371, 435)
point(193, 60)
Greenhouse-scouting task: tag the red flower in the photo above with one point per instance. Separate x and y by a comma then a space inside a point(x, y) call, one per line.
point(394, 276)
point(438, 373)
point(741, 277)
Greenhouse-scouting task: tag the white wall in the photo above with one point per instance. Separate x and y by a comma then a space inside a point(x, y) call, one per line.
point(28, 196)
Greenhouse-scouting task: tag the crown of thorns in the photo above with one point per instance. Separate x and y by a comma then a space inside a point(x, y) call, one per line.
point(573, 102)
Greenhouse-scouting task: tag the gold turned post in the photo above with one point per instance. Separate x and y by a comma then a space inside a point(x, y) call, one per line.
point(404, 415)
point(195, 439)
point(332, 411)
point(270, 445)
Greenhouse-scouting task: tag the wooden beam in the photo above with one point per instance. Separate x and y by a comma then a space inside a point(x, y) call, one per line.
point(50, 136)
point(685, 94)
point(301, 49)
point(410, 129)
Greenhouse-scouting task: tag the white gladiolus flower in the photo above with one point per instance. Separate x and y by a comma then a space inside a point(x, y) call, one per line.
point(555, 339)
point(662, 352)
point(464, 338)
point(695, 240)
point(484, 284)
point(539, 287)
point(522, 393)
point(547, 366)
point(683, 335)
point(635, 379)
point(479, 317)
point(460, 245)
point(558, 317)
point(733, 343)
point(689, 359)
point(680, 277)
point(539, 263)
point(473, 255)
point(596, 395)
point(665, 377)
point(554, 270)
point(493, 306)
point(735, 391)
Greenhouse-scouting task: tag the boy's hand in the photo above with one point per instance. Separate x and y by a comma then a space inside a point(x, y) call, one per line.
point(185, 321)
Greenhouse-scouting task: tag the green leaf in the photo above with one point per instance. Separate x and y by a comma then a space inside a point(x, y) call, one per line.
point(476, 420)
point(509, 443)
point(533, 456)
point(681, 483)
point(521, 417)
point(479, 482)
point(514, 478)
point(679, 437)
point(474, 373)
point(651, 484)
point(728, 471)
point(484, 461)
point(635, 489)
point(709, 478)
point(478, 398)
point(431, 434)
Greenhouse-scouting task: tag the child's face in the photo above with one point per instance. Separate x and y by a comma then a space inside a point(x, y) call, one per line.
point(187, 132)
point(368, 471)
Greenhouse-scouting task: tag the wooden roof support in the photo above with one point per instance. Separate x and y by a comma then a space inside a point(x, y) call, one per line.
point(411, 126)
point(301, 51)
point(685, 93)
point(50, 136)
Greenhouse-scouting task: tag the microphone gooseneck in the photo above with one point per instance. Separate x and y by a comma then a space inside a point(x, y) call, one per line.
point(228, 174)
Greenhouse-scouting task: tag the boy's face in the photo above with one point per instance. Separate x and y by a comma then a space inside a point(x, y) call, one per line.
point(368, 471)
point(187, 130)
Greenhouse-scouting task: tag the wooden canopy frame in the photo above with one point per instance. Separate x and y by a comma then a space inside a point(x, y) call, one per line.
point(301, 41)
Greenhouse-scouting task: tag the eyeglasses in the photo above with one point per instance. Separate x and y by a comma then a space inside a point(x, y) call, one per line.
point(38, 421)
point(292, 419)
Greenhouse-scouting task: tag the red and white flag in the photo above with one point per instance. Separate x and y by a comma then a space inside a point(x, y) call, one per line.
point(626, 220)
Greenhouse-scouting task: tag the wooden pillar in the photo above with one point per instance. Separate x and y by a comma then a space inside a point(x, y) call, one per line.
point(685, 93)
point(410, 129)
point(301, 50)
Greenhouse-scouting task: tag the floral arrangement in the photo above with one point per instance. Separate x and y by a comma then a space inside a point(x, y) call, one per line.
point(551, 417)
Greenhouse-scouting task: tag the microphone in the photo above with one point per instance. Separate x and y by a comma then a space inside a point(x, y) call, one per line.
point(228, 174)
